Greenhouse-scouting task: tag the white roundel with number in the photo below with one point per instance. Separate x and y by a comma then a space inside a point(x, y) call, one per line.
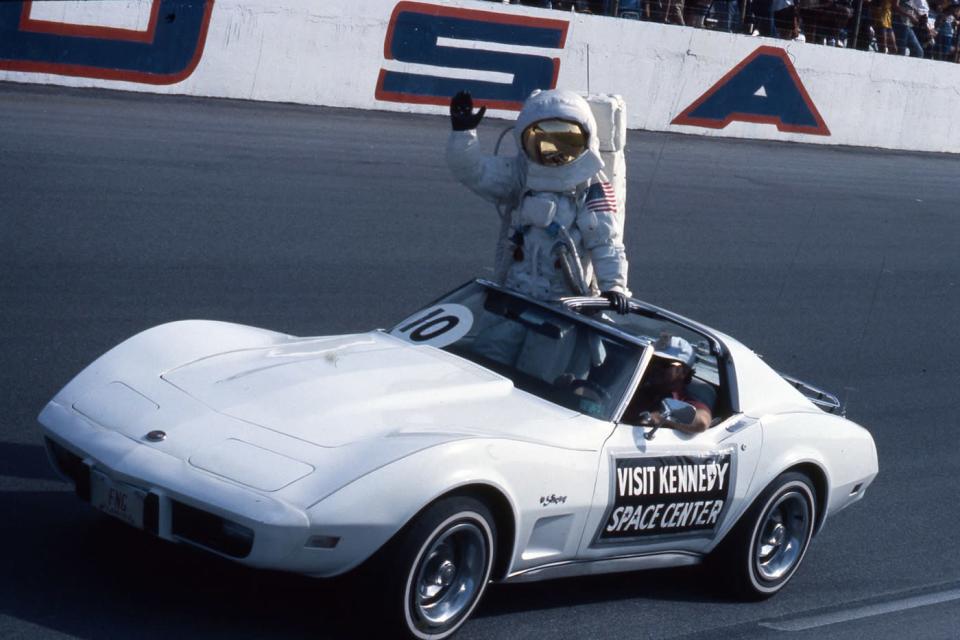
point(436, 326)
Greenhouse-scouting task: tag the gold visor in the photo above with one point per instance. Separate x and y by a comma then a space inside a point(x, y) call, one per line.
point(554, 143)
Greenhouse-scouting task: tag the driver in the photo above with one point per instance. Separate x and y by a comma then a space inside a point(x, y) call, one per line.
point(670, 375)
point(559, 236)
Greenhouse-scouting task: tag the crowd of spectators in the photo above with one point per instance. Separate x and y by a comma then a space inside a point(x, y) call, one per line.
point(918, 28)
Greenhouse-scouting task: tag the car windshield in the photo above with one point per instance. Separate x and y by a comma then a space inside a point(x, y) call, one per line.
point(544, 352)
point(650, 328)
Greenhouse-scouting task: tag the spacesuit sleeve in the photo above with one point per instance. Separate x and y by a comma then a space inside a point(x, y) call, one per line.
point(493, 178)
point(602, 240)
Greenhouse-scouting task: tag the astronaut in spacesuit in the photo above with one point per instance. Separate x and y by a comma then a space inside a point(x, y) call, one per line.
point(559, 236)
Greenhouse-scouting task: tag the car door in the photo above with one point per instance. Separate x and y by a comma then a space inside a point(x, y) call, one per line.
point(675, 492)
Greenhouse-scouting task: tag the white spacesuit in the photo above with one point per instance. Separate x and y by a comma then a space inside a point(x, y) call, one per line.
point(561, 237)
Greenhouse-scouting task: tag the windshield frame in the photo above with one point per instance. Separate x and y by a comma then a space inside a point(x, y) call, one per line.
point(641, 357)
point(726, 367)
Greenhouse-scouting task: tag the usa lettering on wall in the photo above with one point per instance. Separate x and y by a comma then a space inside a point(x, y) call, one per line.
point(764, 88)
point(666, 495)
point(165, 51)
point(452, 40)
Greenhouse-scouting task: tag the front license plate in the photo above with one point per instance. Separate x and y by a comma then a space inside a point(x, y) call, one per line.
point(117, 499)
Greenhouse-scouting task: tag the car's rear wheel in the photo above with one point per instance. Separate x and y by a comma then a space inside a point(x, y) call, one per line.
point(439, 566)
point(765, 549)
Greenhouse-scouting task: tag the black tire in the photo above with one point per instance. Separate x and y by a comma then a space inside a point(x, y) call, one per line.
point(434, 572)
point(765, 548)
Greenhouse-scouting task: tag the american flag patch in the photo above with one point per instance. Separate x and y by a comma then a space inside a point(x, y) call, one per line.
point(601, 197)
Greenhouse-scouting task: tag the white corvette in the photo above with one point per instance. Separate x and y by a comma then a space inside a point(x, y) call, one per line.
point(485, 438)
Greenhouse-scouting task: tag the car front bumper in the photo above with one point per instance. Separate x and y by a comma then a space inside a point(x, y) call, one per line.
point(184, 504)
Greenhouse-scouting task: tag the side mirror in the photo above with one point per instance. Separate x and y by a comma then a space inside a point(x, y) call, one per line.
point(676, 410)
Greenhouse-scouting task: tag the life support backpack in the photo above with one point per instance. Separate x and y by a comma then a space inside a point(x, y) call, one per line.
point(610, 112)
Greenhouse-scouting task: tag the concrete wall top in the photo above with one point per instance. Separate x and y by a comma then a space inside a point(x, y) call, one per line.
point(412, 56)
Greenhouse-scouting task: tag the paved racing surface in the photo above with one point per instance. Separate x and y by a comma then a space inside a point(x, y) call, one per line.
point(119, 212)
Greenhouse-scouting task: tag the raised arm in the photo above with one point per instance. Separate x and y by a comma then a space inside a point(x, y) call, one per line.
point(493, 178)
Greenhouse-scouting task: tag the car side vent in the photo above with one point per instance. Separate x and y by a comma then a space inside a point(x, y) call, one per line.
point(210, 531)
point(824, 400)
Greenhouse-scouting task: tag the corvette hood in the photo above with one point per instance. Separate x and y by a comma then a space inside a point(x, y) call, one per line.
point(337, 390)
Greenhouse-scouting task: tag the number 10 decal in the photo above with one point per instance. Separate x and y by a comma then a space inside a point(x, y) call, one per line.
point(437, 326)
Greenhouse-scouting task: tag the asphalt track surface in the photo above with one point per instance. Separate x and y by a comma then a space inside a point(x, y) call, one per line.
point(119, 212)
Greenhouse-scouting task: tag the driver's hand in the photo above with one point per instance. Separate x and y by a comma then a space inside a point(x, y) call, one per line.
point(649, 419)
point(655, 419)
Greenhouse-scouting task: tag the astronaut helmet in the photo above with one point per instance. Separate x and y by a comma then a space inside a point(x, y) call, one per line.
point(554, 142)
point(557, 135)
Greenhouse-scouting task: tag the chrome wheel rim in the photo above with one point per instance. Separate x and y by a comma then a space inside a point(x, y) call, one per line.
point(783, 536)
point(450, 575)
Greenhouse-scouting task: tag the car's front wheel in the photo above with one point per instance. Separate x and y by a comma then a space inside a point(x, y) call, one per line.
point(764, 549)
point(438, 568)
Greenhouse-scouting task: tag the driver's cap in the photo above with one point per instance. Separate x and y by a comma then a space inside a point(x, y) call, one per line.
point(675, 348)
